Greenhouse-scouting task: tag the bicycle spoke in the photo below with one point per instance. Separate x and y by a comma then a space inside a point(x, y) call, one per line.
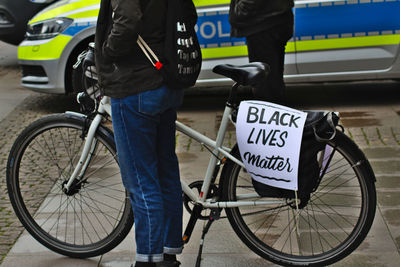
point(109, 187)
point(102, 179)
point(99, 191)
point(83, 219)
point(97, 208)
point(326, 224)
point(87, 176)
point(278, 210)
point(95, 214)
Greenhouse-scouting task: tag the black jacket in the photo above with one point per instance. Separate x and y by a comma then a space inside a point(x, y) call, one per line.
point(122, 67)
point(248, 17)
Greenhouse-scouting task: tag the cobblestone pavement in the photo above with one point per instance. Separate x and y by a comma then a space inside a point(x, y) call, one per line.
point(375, 129)
point(31, 109)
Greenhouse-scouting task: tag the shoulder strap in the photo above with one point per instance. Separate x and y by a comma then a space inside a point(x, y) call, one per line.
point(145, 5)
point(146, 50)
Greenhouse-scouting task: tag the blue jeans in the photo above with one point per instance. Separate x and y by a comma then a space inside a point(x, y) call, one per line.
point(144, 129)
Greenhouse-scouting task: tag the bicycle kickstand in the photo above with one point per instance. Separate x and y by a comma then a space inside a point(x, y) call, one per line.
point(213, 216)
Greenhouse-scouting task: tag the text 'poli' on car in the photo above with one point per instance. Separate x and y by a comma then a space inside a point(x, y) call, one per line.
point(14, 15)
point(334, 40)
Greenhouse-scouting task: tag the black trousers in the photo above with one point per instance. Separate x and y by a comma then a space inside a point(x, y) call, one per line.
point(268, 46)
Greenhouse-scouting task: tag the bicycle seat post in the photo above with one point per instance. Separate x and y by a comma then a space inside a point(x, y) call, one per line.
point(233, 95)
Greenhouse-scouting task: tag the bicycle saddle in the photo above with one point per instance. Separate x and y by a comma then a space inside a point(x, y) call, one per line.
point(249, 74)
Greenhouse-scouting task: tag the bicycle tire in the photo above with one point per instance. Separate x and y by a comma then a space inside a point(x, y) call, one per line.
point(96, 216)
point(335, 221)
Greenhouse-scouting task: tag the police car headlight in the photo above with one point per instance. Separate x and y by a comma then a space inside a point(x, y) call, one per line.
point(47, 29)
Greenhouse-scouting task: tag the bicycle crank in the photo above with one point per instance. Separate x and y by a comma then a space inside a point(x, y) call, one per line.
point(189, 204)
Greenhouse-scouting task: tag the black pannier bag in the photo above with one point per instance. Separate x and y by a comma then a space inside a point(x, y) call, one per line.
point(319, 127)
point(182, 60)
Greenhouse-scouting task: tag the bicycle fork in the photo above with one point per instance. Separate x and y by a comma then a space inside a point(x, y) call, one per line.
point(89, 146)
point(84, 160)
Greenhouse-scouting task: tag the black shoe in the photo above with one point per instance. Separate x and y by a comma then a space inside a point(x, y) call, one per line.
point(168, 264)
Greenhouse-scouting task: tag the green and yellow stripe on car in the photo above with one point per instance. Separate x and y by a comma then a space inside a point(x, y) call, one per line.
point(317, 27)
point(43, 50)
point(68, 8)
point(323, 25)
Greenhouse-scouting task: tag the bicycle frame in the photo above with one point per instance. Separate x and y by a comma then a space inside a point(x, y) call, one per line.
point(105, 108)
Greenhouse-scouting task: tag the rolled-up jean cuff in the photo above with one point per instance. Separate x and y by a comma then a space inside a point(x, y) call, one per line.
point(173, 251)
point(150, 258)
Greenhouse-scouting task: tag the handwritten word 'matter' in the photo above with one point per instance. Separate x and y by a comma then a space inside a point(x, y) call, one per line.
point(285, 119)
point(271, 163)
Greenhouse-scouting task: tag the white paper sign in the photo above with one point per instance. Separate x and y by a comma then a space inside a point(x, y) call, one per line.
point(269, 139)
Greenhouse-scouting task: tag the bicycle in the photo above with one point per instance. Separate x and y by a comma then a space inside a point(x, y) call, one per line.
point(63, 182)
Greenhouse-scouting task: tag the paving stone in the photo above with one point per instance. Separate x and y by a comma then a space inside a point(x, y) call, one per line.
point(383, 136)
point(382, 152)
point(397, 239)
point(363, 260)
point(392, 216)
point(32, 108)
point(379, 142)
point(389, 199)
point(46, 260)
point(387, 182)
point(385, 166)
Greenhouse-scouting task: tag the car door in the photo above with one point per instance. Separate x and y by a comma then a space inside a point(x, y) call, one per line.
point(339, 39)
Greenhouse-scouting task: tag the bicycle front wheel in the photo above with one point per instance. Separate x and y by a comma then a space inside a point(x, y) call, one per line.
point(95, 215)
point(334, 222)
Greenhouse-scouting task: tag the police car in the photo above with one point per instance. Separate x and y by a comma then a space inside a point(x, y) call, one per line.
point(334, 40)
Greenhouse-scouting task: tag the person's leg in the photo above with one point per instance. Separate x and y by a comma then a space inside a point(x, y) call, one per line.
point(263, 47)
point(135, 135)
point(269, 47)
point(170, 183)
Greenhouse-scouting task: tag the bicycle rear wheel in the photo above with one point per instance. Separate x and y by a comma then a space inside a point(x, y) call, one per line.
point(92, 218)
point(335, 221)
